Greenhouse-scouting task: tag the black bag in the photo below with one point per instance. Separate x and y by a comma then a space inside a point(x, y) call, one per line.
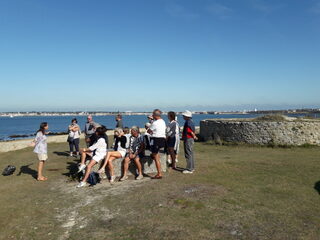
point(93, 178)
point(9, 170)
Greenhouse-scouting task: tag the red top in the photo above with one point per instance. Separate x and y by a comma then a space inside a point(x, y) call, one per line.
point(189, 133)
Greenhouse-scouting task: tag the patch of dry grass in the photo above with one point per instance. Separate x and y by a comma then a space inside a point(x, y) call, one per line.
point(237, 192)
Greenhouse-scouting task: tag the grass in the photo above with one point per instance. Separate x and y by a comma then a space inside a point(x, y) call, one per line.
point(237, 192)
point(270, 118)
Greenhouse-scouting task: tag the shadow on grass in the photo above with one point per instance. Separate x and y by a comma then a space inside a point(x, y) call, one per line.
point(27, 170)
point(66, 154)
point(72, 168)
point(317, 187)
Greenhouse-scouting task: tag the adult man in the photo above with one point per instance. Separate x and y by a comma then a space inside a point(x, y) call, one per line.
point(158, 139)
point(119, 121)
point(135, 152)
point(90, 129)
point(188, 136)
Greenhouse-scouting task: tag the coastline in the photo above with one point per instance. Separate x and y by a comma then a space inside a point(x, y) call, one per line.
point(13, 145)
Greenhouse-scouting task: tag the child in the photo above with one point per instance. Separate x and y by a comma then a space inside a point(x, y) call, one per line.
point(40, 148)
point(100, 148)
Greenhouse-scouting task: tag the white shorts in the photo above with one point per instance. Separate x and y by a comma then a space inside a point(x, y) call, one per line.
point(42, 156)
point(98, 158)
point(123, 153)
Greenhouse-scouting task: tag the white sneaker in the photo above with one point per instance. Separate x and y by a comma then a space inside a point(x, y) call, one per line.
point(176, 160)
point(139, 177)
point(81, 167)
point(187, 171)
point(112, 178)
point(71, 154)
point(102, 175)
point(81, 184)
point(123, 178)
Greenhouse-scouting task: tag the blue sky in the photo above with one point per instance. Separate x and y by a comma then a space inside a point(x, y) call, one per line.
point(169, 54)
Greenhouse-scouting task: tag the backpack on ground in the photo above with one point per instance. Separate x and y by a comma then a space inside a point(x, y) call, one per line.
point(9, 170)
point(93, 178)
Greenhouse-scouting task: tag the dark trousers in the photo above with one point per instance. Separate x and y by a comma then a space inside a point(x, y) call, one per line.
point(74, 143)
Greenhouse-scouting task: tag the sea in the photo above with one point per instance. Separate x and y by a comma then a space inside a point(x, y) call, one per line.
point(28, 125)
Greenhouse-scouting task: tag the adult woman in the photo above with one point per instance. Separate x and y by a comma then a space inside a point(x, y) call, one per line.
point(119, 152)
point(99, 149)
point(40, 148)
point(173, 138)
point(74, 136)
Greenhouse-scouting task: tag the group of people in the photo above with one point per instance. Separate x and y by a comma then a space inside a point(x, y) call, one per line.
point(128, 144)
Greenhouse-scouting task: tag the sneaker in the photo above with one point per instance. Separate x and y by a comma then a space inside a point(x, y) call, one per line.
point(81, 184)
point(81, 167)
point(71, 154)
point(112, 178)
point(123, 178)
point(187, 171)
point(139, 177)
point(101, 170)
point(103, 176)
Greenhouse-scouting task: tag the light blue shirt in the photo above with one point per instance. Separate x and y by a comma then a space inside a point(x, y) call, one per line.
point(41, 143)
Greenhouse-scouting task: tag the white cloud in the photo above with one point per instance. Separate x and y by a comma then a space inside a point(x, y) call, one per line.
point(179, 11)
point(316, 8)
point(219, 10)
point(265, 7)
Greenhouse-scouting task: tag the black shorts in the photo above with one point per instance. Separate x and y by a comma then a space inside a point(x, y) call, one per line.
point(157, 143)
point(171, 142)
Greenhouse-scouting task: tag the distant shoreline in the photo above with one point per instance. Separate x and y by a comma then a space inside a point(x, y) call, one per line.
point(130, 113)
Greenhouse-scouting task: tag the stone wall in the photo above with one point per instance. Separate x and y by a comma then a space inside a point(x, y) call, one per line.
point(261, 132)
point(14, 145)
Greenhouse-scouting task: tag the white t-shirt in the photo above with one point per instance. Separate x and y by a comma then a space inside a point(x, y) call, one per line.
point(158, 128)
point(101, 148)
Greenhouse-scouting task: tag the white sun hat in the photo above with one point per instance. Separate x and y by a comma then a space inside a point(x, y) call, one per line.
point(187, 113)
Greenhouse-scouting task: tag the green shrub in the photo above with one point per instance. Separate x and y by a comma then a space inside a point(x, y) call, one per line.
point(271, 118)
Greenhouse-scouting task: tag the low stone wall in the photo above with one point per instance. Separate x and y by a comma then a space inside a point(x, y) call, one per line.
point(148, 165)
point(24, 143)
point(261, 132)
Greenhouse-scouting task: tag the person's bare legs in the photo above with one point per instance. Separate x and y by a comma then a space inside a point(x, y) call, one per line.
point(88, 170)
point(110, 165)
point(156, 158)
point(125, 166)
point(114, 154)
point(83, 156)
point(173, 157)
point(138, 164)
point(40, 169)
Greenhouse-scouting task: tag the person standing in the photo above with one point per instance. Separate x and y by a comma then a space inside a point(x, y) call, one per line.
point(90, 129)
point(188, 136)
point(119, 121)
point(74, 136)
point(158, 139)
point(173, 138)
point(40, 148)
